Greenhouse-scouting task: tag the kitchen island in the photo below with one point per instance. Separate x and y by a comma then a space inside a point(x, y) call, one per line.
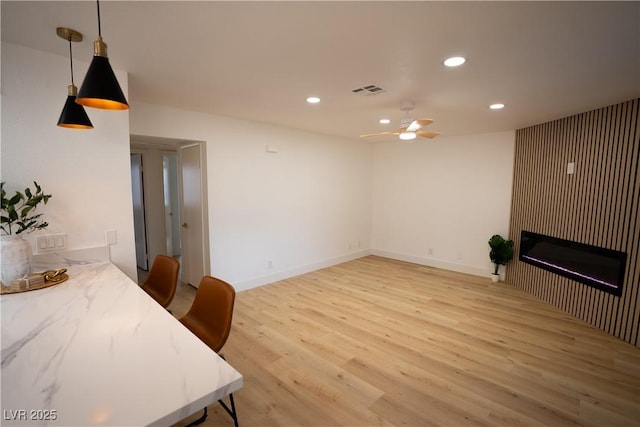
point(97, 350)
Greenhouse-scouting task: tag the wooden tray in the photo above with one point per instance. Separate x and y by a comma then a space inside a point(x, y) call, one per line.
point(16, 288)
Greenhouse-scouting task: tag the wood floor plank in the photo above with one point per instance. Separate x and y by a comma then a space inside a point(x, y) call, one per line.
point(378, 342)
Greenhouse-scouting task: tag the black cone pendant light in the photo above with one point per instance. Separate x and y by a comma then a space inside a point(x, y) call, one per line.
point(73, 115)
point(100, 88)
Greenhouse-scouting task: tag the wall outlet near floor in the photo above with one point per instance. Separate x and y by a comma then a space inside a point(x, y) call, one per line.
point(51, 242)
point(430, 251)
point(269, 264)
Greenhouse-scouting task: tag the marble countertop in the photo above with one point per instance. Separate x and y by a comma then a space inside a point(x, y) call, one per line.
point(97, 350)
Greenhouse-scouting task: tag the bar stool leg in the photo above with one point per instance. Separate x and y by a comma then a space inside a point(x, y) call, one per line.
point(231, 411)
point(199, 420)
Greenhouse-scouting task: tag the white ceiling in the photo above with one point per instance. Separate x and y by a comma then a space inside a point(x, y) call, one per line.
point(260, 60)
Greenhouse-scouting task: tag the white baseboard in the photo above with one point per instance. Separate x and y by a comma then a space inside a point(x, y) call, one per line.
point(432, 262)
point(285, 274)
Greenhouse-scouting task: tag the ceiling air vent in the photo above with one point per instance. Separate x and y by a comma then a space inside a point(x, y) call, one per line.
point(368, 90)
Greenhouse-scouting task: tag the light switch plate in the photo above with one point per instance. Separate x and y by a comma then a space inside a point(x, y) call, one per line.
point(51, 242)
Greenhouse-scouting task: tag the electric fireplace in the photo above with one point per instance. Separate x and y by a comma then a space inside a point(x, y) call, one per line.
point(592, 265)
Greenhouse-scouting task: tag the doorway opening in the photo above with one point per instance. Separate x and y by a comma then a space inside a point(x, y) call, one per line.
point(173, 202)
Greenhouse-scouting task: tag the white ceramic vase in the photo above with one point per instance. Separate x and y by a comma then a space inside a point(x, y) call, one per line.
point(495, 277)
point(15, 258)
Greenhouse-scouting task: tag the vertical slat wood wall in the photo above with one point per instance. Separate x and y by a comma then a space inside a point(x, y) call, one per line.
point(597, 205)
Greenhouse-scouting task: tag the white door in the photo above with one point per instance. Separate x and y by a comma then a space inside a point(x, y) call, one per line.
point(195, 263)
point(139, 225)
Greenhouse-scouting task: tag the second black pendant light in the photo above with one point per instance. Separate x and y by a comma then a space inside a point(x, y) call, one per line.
point(73, 115)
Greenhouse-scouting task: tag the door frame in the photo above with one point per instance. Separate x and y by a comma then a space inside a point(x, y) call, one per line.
point(139, 221)
point(138, 144)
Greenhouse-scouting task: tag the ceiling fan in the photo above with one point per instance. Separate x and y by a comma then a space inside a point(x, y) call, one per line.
point(409, 128)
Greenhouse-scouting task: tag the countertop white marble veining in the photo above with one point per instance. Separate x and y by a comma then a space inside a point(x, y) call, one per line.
point(96, 350)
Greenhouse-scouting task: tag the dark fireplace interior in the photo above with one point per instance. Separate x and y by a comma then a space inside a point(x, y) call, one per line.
point(592, 265)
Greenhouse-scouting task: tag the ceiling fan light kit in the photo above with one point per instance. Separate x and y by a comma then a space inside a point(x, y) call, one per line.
point(409, 128)
point(407, 135)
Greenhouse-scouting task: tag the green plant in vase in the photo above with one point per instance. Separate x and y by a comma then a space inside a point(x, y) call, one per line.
point(18, 215)
point(18, 211)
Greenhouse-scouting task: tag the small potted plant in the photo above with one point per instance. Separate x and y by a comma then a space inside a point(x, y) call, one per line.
point(19, 216)
point(501, 253)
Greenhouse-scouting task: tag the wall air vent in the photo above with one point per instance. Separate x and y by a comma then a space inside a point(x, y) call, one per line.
point(368, 90)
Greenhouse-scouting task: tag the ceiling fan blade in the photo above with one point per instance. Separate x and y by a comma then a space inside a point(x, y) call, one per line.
point(367, 135)
point(418, 124)
point(425, 134)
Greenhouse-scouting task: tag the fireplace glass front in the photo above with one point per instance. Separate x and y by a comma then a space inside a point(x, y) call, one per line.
point(592, 265)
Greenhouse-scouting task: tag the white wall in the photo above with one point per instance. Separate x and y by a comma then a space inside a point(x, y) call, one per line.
point(302, 208)
point(437, 202)
point(318, 201)
point(86, 171)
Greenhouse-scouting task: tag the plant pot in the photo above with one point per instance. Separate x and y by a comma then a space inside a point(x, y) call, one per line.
point(495, 277)
point(15, 256)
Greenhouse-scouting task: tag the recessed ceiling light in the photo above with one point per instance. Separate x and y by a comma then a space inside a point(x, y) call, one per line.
point(385, 121)
point(454, 61)
point(496, 106)
point(313, 100)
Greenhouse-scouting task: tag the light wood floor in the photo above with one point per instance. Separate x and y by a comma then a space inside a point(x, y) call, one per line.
point(376, 342)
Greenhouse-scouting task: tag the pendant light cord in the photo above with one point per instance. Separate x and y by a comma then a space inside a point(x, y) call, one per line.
point(71, 60)
point(99, 25)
